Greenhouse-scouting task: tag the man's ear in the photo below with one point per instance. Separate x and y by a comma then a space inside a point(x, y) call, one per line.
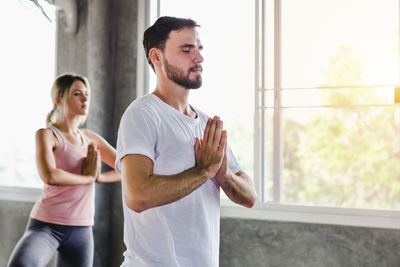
point(155, 56)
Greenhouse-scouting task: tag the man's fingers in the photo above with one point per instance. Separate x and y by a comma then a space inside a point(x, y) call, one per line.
point(196, 145)
point(206, 130)
point(218, 133)
point(211, 132)
point(224, 141)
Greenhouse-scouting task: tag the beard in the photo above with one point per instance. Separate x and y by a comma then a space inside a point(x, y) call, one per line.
point(178, 76)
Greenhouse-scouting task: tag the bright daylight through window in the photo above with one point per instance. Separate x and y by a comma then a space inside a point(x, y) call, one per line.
point(332, 130)
point(327, 130)
point(27, 67)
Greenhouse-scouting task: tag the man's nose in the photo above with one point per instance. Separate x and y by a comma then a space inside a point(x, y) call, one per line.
point(198, 58)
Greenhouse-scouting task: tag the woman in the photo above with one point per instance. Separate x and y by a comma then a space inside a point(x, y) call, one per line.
point(69, 162)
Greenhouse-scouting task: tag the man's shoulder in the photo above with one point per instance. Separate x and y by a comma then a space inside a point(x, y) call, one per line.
point(143, 110)
point(142, 105)
point(141, 102)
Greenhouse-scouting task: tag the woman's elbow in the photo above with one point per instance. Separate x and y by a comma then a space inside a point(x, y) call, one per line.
point(48, 178)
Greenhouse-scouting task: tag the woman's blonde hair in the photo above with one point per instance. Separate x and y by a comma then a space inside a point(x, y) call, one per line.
point(62, 89)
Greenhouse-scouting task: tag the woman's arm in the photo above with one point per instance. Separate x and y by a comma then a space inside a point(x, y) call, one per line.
point(46, 142)
point(108, 156)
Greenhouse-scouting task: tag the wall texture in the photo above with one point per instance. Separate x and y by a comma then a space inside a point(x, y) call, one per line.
point(104, 50)
point(13, 219)
point(265, 243)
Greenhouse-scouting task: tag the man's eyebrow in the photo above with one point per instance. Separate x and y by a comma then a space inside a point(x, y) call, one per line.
point(190, 46)
point(186, 46)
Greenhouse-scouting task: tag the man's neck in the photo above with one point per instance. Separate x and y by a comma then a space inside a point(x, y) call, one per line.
point(177, 97)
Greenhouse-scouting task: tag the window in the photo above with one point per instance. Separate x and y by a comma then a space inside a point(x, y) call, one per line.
point(27, 53)
point(320, 133)
point(331, 130)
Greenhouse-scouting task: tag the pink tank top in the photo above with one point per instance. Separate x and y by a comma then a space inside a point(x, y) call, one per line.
point(67, 205)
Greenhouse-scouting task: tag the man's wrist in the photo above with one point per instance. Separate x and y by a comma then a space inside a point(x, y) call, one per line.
point(202, 173)
point(226, 178)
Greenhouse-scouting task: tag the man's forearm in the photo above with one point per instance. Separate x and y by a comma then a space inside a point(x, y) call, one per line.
point(157, 190)
point(239, 188)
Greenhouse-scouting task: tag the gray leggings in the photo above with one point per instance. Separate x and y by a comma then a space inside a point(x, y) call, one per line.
point(41, 240)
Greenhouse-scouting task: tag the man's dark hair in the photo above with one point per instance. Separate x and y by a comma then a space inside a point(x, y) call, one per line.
point(157, 34)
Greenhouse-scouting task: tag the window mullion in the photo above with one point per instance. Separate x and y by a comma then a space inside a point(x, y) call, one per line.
point(277, 133)
point(259, 124)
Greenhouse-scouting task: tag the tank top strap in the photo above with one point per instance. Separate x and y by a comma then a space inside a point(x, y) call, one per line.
point(59, 136)
point(84, 138)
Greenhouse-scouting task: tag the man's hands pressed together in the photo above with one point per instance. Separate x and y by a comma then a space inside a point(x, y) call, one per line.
point(211, 150)
point(212, 162)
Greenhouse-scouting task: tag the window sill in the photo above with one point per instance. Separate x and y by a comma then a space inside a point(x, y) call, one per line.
point(389, 219)
point(21, 194)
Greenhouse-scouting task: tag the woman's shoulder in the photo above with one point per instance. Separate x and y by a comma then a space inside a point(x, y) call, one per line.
point(45, 135)
point(88, 133)
point(91, 135)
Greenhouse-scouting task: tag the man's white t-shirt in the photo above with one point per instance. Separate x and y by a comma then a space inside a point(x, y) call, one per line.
point(184, 233)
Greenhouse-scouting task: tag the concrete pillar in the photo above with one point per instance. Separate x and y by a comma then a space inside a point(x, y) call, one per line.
point(104, 50)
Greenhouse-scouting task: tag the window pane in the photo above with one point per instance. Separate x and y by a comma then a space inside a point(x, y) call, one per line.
point(346, 157)
point(269, 49)
point(27, 65)
point(268, 167)
point(316, 35)
point(339, 96)
point(228, 76)
point(340, 128)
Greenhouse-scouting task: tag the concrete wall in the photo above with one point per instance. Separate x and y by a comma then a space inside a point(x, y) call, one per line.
point(265, 243)
point(104, 49)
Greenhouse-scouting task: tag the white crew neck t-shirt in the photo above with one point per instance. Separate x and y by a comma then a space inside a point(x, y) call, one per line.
point(184, 233)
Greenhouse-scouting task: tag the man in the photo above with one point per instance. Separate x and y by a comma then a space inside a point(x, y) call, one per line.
point(174, 160)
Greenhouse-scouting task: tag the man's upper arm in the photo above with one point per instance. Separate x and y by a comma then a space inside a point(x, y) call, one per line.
point(135, 170)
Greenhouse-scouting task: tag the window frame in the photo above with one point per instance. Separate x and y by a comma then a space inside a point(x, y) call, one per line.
point(19, 194)
point(276, 210)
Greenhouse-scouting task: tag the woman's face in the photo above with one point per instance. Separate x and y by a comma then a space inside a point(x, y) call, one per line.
point(78, 102)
